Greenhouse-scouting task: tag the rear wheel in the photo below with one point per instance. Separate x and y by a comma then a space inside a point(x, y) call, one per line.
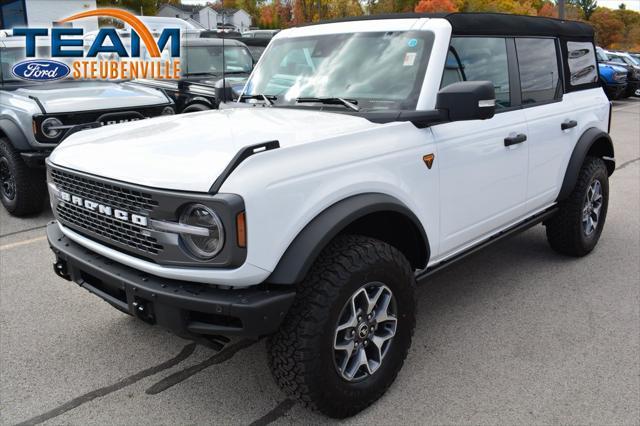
point(349, 330)
point(22, 189)
point(576, 229)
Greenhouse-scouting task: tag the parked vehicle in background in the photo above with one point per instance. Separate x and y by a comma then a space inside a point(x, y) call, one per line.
point(35, 117)
point(260, 33)
point(156, 24)
point(632, 74)
point(385, 149)
point(613, 79)
point(255, 45)
point(202, 63)
point(633, 66)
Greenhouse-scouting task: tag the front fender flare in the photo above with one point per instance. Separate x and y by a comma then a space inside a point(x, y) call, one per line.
point(15, 135)
point(305, 248)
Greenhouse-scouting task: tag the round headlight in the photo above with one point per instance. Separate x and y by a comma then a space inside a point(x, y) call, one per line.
point(48, 128)
point(168, 111)
point(202, 247)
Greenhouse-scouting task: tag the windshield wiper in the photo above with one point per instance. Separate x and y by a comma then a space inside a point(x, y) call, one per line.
point(262, 97)
point(349, 103)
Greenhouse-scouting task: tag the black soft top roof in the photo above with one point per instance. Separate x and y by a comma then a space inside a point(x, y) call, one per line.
point(496, 24)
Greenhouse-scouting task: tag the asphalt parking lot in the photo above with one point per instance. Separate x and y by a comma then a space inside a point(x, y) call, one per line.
point(514, 334)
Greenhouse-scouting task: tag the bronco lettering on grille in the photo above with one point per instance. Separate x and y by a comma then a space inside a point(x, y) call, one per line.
point(104, 209)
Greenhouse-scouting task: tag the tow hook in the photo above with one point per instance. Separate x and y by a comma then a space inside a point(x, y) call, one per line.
point(143, 310)
point(60, 268)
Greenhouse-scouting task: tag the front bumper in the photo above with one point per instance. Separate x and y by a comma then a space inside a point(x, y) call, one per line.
point(191, 310)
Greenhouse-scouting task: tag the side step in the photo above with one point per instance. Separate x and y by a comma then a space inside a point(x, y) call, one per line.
point(509, 232)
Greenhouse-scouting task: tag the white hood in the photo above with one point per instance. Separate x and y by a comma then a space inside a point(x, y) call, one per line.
point(86, 96)
point(188, 152)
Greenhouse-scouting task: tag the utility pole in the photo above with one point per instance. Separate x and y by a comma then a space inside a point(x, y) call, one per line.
point(561, 9)
point(319, 11)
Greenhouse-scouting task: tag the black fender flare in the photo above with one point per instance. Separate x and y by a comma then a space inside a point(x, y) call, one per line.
point(580, 151)
point(314, 237)
point(15, 135)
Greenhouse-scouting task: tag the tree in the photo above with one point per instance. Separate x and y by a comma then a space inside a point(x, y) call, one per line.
point(586, 6)
point(549, 10)
point(608, 27)
point(430, 6)
point(622, 6)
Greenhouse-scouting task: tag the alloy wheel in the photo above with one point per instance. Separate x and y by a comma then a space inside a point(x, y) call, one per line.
point(592, 208)
point(7, 180)
point(365, 331)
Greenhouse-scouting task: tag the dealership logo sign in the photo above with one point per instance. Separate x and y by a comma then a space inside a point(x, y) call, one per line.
point(40, 70)
point(69, 43)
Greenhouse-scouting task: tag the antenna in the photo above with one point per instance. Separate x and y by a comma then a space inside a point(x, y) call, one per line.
point(224, 81)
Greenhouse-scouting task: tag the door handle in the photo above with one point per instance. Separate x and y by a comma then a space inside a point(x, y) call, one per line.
point(569, 124)
point(514, 140)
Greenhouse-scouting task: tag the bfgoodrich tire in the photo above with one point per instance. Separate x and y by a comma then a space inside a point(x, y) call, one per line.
point(349, 330)
point(22, 190)
point(577, 227)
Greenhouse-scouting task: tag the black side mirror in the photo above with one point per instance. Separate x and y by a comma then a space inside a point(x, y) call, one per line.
point(467, 100)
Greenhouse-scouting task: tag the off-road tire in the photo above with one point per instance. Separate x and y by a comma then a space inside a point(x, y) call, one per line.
point(30, 186)
point(195, 108)
point(301, 354)
point(565, 232)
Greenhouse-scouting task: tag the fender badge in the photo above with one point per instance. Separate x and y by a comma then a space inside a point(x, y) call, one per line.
point(428, 160)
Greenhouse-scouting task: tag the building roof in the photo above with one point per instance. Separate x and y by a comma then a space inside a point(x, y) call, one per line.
point(497, 24)
point(183, 7)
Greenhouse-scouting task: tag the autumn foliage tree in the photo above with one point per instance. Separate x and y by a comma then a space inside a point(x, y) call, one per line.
point(431, 6)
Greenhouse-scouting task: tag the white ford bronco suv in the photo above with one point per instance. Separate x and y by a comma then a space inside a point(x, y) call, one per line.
point(364, 156)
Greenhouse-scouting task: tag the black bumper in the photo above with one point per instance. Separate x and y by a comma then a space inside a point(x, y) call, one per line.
point(191, 310)
point(615, 91)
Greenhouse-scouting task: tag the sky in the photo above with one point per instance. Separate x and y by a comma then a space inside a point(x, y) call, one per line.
point(613, 4)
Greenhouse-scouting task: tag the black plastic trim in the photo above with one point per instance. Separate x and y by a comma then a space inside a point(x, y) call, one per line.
point(514, 230)
point(190, 310)
point(586, 141)
point(305, 248)
point(242, 155)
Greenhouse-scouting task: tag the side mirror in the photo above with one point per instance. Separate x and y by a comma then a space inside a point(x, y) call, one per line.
point(467, 100)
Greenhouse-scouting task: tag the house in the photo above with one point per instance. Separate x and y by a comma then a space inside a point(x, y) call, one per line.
point(45, 13)
point(207, 16)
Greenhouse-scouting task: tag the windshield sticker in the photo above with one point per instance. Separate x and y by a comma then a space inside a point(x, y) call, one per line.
point(409, 59)
point(412, 43)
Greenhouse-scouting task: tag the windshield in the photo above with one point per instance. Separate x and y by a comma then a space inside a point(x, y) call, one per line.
point(9, 56)
point(380, 70)
point(208, 60)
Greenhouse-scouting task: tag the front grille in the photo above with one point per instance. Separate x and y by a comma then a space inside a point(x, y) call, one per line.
point(113, 195)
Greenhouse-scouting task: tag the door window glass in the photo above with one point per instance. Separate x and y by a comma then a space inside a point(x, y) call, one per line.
point(539, 71)
point(479, 59)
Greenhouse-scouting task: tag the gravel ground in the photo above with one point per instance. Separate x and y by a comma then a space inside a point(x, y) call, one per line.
point(514, 334)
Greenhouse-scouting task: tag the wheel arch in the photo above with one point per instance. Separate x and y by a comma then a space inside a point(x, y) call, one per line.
point(374, 215)
point(593, 142)
point(10, 130)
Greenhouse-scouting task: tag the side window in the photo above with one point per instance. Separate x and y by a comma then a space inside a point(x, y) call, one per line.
point(582, 63)
point(539, 71)
point(479, 59)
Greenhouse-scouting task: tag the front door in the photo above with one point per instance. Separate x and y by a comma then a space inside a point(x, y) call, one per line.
point(483, 164)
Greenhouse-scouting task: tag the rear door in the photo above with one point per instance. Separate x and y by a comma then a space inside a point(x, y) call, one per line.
point(482, 163)
point(552, 120)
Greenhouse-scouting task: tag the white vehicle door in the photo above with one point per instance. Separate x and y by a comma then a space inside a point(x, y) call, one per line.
point(482, 163)
point(552, 120)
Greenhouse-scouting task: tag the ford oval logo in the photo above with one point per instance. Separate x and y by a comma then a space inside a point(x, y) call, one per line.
point(40, 70)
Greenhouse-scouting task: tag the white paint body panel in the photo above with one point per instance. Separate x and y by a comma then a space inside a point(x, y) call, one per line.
point(476, 187)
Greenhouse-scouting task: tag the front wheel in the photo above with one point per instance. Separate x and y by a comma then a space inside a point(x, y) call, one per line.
point(576, 229)
point(349, 330)
point(22, 190)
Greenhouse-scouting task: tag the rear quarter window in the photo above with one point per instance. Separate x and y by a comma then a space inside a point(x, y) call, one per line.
point(581, 60)
point(539, 71)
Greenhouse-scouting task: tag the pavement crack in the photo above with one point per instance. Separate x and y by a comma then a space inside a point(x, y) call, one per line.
point(9, 234)
point(225, 354)
point(276, 413)
point(90, 396)
point(626, 163)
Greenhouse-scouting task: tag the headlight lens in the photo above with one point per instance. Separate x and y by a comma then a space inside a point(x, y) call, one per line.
point(168, 111)
point(203, 248)
point(48, 130)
